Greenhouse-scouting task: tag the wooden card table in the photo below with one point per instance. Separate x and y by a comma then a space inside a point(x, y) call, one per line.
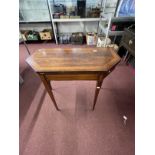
point(73, 64)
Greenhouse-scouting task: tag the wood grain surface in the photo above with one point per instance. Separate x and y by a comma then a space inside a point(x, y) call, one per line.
point(73, 59)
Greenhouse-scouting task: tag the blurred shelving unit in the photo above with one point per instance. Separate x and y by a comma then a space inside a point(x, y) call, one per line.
point(39, 15)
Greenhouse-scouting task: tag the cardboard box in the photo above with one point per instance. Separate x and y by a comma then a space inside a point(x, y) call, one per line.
point(64, 17)
point(91, 38)
point(45, 35)
point(74, 17)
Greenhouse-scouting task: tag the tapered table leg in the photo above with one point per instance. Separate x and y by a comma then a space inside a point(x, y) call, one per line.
point(49, 89)
point(49, 84)
point(98, 87)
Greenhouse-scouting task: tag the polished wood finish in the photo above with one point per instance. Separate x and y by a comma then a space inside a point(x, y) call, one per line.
point(73, 64)
point(70, 76)
point(73, 59)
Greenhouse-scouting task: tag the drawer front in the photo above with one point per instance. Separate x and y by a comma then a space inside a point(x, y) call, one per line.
point(72, 77)
point(79, 76)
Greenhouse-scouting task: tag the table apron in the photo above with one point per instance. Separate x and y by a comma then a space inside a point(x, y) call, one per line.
point(78, 76)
